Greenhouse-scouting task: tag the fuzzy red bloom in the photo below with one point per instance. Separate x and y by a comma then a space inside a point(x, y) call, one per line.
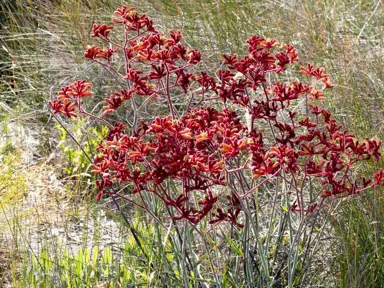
point(194, 57)
point(81, 88)
point(101, 29)
point(115, 100)
point(95, 52)
point(56, 105)
point(64, 106)
point(317, 95)
point(379, 177)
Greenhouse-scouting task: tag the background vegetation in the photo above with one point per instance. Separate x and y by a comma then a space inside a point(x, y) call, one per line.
point(51, 232)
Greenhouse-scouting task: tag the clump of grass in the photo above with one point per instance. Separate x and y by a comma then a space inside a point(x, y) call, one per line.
point(36, 52)
point(12, 189)
point(359, 249)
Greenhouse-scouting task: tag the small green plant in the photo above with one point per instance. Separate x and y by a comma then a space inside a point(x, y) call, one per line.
point(90, 267)
point(77, 162)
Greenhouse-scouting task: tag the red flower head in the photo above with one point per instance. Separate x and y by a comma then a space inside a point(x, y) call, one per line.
point(95, 52)
point(81, 88)
point(101, 30)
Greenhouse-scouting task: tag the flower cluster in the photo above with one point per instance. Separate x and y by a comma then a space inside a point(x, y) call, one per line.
point(69, 99)
point(217, 157)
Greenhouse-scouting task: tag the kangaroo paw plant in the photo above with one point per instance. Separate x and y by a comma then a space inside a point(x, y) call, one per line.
point(215, 139)
point(213, 143)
